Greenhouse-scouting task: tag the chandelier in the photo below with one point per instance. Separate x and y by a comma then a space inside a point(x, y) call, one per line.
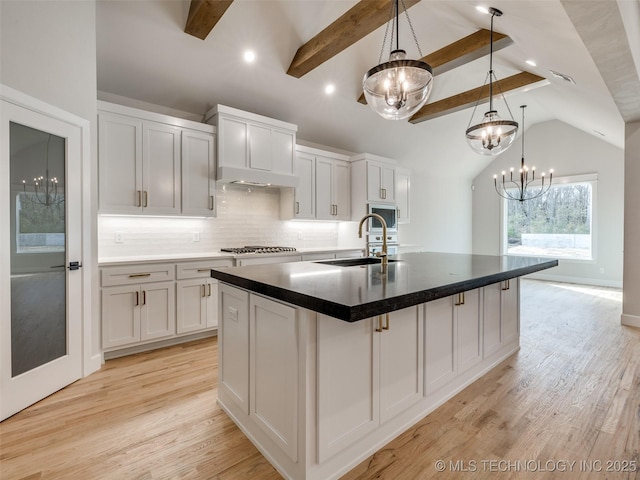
point(45, 188)
point(519, 189)
point(396, 89)
point(492, 135)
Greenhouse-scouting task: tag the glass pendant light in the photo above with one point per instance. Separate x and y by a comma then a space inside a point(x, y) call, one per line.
point(492, 135)
point(396, 89)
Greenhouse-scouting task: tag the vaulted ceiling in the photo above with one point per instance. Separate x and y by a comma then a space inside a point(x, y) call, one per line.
point(187, 55)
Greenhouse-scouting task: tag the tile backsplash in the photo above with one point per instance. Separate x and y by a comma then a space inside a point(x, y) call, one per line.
point(245, 216)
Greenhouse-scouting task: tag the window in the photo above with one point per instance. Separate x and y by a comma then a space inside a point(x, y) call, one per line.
point(39, 228)
point(558, 224)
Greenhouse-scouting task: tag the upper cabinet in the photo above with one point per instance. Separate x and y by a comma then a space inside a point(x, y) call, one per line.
point(323, 192)
point(373, 180)
point(154, 164)
point(253, 149)
point(403, 194)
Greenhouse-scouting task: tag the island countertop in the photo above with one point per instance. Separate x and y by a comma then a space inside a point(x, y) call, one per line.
point(357, 292)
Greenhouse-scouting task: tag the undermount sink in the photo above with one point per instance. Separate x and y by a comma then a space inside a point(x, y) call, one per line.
point(354, 262)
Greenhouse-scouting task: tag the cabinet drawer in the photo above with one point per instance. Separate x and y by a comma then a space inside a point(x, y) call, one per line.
point(200, 269)
point(137, 274)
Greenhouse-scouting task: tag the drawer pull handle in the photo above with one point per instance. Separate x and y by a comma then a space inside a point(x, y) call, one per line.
point(138, 275)
point(209, 290)
point(506, 285)
point(144, 297)
point(204, 269)
point(146, 199)
point(137, 304)
point(139, 198)
point(204, 294)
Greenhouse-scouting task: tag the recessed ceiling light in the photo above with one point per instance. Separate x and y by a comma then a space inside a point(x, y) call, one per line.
point(329, 89)
point(249, 56)
point(532, 63)
point(482, 9)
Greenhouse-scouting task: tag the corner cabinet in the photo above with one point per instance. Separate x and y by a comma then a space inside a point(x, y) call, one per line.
point(324, 190)
point(373, 181)
point(253, 148)
point(154, 164)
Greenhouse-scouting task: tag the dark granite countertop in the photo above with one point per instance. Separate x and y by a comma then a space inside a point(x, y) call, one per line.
point(358, 292)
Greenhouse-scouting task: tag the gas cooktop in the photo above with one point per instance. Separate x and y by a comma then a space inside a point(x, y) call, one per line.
point(257, 249)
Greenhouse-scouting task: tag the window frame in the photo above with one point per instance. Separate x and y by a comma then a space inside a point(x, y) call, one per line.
point(591, 178)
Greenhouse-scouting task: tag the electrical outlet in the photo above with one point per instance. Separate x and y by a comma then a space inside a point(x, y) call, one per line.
point(602, 270)
point(299, 235)
point(196, 236)
point(119, 238)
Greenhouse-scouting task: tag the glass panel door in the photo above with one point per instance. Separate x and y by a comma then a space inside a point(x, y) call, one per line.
point(38, 253)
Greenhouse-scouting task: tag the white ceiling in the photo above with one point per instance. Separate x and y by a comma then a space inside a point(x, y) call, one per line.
point(144, 54)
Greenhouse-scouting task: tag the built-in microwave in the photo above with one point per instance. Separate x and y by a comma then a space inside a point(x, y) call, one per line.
point(390, 215)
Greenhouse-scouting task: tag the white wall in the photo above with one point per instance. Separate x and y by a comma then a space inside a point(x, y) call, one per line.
point(48, 51)
point(568, 151)
point(631, 285)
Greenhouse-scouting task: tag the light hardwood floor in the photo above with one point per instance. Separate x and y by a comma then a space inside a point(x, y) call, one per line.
point(571, 394)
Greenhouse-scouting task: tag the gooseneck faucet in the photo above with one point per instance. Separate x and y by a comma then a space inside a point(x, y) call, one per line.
point(383, 253)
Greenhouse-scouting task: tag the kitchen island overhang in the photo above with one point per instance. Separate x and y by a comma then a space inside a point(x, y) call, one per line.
point(317, 393)
point(358, 292)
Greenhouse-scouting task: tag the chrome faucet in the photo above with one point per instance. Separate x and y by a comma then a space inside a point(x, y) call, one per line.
point(383, 253)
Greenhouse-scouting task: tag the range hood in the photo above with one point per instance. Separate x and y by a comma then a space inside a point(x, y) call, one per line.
point(253, 149)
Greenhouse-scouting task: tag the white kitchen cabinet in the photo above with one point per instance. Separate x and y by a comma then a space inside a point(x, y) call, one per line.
point(233, 349)
point(273, 372)
point(243, 262)
point(403, 195)
point(304, 195)
point(140, 163)
point(198, 174)
point(501, 315)
point(197, 304)
point(453, 338)
point(365, 376)
point(253, 148)
point(332, 189)
point(137, 313)
point(373, 180)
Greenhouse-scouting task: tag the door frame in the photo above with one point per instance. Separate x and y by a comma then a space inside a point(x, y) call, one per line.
point(91, 360)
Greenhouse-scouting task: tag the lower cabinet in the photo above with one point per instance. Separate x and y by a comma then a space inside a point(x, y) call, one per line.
point(453, 337)
point(501, 315)
point(197, 304)
point(137, 313)
point(368, 371)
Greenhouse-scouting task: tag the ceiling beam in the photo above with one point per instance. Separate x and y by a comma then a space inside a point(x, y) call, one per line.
point(362, 19)
point(465, 50)
point(470, 97)
point(203, 16)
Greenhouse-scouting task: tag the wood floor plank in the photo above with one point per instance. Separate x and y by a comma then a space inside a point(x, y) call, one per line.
point(572, 393)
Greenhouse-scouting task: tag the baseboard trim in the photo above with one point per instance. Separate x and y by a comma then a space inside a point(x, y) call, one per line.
point(630, 320)
point(579, 280)
point(162, 343)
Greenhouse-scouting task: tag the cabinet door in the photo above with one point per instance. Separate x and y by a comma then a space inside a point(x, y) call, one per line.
point(469, 329)
point(388, 183)
point(232, 143)
point(324, 179)
point(305, 192)
point(374, 182)
point(348, 383)
point(282, 151)
point(120, 315)
point(160, 169)
point(198, 173)
point(492, 324)
point(273, 377)
point(440, 335)
point(191, 305)
point(212, 303)
point(233, 350)
point(157, 310)
point(341, 190)
point(260, 148)
point(510, 310)
point(401, 362)
point(120, 164)
point(403, 190)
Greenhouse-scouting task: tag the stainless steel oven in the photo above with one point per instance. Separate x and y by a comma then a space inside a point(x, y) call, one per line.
point(390, 215)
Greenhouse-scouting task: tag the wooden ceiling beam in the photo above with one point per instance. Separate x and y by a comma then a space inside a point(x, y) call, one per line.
point(470, 97)
point(203, 16)
point(460, 52)
point(362, 19)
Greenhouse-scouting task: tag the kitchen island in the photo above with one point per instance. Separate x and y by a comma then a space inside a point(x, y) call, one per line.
point(322, 363)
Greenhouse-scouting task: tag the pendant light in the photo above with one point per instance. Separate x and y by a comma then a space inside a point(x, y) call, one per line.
point(492, 135)
point(396, 89)
point(519, 190)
